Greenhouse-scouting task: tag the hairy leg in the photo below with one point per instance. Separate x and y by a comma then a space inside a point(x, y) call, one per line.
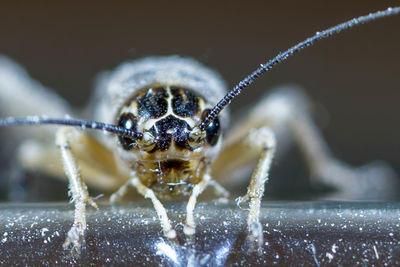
point(147, 193)
point(78, 190)
point(259, 139)
point(287, 113)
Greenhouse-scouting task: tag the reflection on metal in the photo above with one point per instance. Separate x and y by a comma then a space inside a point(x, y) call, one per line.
point(167, 250)
point(311, 233)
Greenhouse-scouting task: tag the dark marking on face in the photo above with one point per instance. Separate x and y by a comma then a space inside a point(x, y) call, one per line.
point(175, 164)
point(170, 128)
point(184, 103)
point(129, 122)
point(153, 104)
point(213, 130)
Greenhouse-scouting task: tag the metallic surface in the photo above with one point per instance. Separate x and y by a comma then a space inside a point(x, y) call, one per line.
point(308, 233)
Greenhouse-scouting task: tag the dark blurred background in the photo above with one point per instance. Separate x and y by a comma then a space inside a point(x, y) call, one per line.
point(353, 77)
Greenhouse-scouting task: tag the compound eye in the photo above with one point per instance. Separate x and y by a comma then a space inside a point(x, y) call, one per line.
point(129, 122)
point(213, 130)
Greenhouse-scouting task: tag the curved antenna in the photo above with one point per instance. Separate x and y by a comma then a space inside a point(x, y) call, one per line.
point(286, 54)
point(73, 123)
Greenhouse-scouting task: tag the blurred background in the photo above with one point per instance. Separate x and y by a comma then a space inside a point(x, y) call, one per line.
point(353, 78)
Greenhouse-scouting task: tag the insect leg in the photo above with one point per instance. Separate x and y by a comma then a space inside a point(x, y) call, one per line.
point(158, 206)
point(219, 189)
point(97, 164)
point(287, 112)
point(190, 226)
point(78, 189)
point(258, 139)
point(121, 192)
point(374, 180)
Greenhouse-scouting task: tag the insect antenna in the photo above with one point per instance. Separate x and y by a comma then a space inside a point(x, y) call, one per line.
point(73, 123)
point(226, 100)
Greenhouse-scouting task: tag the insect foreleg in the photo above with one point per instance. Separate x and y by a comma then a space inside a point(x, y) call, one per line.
point(190, 226)
point(78, 189)
point(264, 139)
point(158, 206)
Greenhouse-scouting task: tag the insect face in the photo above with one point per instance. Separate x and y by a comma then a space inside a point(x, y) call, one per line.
point(167, 115)
point(169, 158)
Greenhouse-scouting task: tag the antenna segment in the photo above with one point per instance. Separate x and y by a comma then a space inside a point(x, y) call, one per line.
point(72, 122)
point(286, 54)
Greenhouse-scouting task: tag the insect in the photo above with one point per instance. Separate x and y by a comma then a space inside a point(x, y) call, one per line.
point(161, 121)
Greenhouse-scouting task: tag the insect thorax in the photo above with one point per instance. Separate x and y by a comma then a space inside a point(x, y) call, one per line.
point(173, 163)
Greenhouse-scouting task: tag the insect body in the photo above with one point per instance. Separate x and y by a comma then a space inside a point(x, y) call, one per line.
point(166, 115)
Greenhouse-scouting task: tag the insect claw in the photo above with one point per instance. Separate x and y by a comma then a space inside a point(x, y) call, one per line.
point(92, 203)
point(75, 237)
point(255, 236)
point(240, 200)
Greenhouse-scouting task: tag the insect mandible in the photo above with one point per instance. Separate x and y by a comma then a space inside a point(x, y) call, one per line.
point(166, 116)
